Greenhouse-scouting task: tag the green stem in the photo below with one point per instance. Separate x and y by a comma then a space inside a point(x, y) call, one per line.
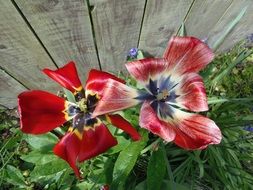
point(7, 161)
point(149, 147)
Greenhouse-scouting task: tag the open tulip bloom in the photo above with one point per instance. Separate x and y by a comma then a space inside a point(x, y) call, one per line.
point(41, 112)
point(171, 89)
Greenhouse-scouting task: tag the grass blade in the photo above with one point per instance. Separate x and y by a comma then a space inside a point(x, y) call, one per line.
point(231, 25)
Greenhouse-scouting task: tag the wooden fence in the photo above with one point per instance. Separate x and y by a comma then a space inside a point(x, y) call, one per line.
point(35, 34)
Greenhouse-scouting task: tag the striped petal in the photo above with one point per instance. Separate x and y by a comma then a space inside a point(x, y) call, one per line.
point(195, 131)
point(95, 141)
point(68, 149)
point(40, 111)
point(144, 69)
point(116, 96)
point(187, 130)
point(119, 122)
point(97, 81)
point(187, 54)
point(150, 121)
point(191, 93)
point(66, 76)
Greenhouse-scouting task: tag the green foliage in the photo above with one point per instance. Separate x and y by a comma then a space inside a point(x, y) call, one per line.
point(126, 161)
point(156, 170)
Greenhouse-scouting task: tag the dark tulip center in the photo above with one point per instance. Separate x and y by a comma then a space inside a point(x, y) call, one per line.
point(161, 94)
point(82, 112)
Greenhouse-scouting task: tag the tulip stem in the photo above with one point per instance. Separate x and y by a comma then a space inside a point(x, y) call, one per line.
point(151, 146)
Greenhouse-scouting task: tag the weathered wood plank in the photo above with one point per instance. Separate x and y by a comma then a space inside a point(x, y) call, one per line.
point(21, 54)
point(204, 15)
point(9, 89)
point(162, 20)
point(64, 28)
point(117, 25)
point(241, 29)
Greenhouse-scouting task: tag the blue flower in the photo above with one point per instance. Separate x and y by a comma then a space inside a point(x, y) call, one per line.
point(133, 52)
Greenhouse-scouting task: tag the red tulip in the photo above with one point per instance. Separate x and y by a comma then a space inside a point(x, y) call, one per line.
point(171, 86)
point(41, 112)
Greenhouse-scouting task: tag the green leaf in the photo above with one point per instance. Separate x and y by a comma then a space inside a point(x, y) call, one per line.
point(49, 168)
point(177, 186)
point(108, 171)
point(122, 144)
point(14, 176)
point(13, 141)
point(70, 96)
point(166, 185)
point(65, 180)
point(45, 141)
point(126, 161)
point(216, 100)
point(231, 25)
point(142, 186)
point(169, 170)
point(39, 158)
point(156, 170)
point(140, 55)
point(82, 186)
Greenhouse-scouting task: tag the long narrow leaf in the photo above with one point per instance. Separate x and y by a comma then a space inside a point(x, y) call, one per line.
point(215, 100)
point(231, 25)
point(243, 55)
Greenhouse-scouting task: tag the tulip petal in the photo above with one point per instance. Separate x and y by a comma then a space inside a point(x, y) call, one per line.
point(189, 131)
point(191, 93)
point(144, 69)
point(97, 80)
point(66, 76)
point(95, 141)
point(187, 54)
point(40, 111)
point(68, 149)
point(150, 121)
point(119, 122)
point(116, 96)
point(195, 131)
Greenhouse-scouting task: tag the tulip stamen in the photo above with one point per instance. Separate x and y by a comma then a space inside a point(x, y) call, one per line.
point(162, 96)
point(83, 104)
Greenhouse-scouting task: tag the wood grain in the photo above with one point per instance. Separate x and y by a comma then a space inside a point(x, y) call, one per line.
point(240, 31)
point(65, 30)
point(9, 89)
point(117, 25)
point(162, 20)
point(21, 54)
point(204, 15)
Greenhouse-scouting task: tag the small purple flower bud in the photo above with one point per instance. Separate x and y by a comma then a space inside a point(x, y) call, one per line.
point(133, 52)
